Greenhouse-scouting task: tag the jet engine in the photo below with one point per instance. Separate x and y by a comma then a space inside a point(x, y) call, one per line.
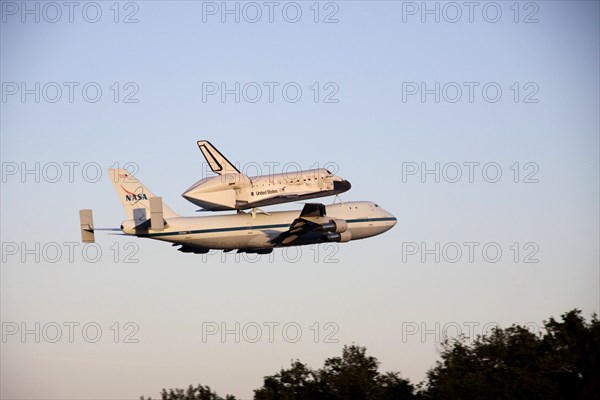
point(335, 225)
point(339, 237)
point(192, 249)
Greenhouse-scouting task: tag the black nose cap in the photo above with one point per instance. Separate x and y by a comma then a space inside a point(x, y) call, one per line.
point(341, 186)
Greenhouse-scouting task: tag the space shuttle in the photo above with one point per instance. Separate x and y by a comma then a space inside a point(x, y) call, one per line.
point(232, 190)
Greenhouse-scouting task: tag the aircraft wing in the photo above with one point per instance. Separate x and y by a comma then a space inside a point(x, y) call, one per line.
point(308, 227)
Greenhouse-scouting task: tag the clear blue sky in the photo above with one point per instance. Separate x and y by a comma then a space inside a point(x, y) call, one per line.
point(374, 57)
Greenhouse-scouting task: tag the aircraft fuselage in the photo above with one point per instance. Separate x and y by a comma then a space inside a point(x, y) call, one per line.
point(235, 191)
point(252, 232)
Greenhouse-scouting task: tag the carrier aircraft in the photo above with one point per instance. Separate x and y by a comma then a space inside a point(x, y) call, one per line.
point(250, 232)
point(232, 190)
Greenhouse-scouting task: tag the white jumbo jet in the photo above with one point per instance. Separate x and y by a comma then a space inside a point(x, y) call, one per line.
point(232, 190)
point(253, 232)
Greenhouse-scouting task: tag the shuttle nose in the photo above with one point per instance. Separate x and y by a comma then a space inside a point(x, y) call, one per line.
point(188, 196)
point(341, 185)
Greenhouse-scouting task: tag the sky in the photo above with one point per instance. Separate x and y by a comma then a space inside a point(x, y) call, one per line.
point(476, 125)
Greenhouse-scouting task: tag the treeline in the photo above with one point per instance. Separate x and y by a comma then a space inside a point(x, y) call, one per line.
point(561, 362)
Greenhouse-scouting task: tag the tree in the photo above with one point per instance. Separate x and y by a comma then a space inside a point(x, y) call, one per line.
point(354, 376)
point(393, 387)
point(192, 393)
point(514, 363)
point(561, 362)
point(296, 383)
point(575, 347)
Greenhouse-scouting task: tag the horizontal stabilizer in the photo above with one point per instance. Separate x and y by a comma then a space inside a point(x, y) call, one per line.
point(157, 222)
point(86, 222)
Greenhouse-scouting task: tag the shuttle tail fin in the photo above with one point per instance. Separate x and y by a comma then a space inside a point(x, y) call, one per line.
point(217, 161)
point(134, 196)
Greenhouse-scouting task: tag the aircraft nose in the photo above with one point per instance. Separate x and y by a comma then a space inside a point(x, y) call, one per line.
point(391, 217)
point(390, 220)
point(341, 186)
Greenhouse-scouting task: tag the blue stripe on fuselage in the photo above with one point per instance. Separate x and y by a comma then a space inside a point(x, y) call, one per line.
point(243, 228)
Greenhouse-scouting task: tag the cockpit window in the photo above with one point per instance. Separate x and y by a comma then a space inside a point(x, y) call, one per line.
point(329, 172)
point(376, 205)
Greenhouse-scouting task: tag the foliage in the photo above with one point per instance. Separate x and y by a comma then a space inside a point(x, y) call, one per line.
point(562, 362)
point(514, 363)
point(192, 393)
point(352, 376)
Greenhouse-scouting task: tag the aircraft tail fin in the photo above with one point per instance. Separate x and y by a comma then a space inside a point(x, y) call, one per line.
point(135, 197)
point(218, 163)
